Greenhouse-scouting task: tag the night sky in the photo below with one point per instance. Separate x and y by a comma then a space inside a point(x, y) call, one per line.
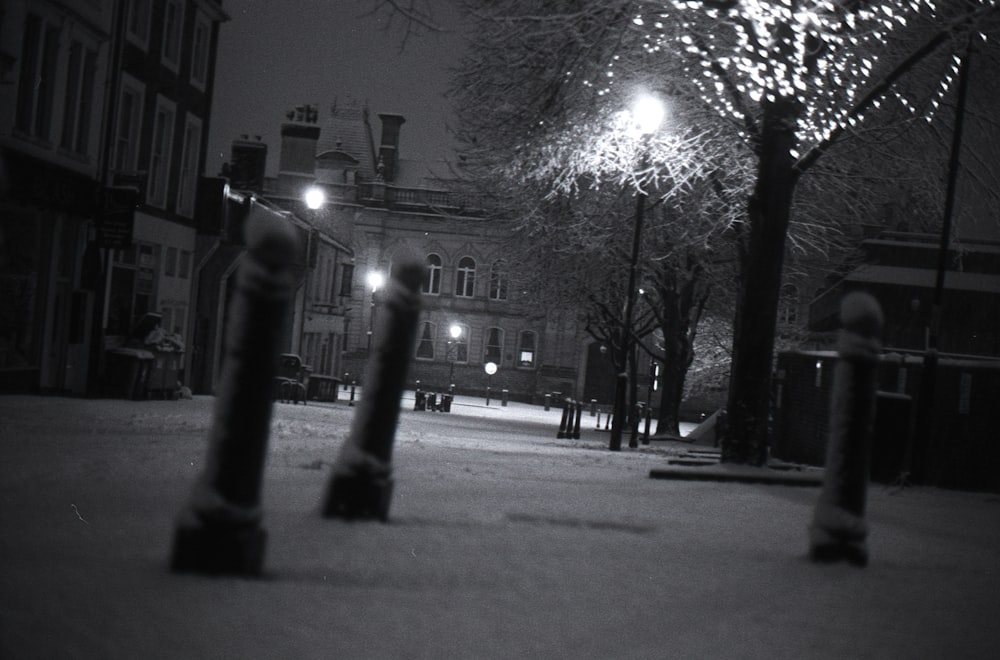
point(276, 55)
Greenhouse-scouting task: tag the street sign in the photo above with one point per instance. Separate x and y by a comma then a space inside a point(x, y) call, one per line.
point(490, 368)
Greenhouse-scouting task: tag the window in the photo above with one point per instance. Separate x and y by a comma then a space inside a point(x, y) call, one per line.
point(159, 157)
point(188, 182)
point(347, 280)
point(184, 265)
point(199, 51)
point(432, 284)
point(498, 280)
point(526, 350)
point(79, 98)
point(138, 21)
point(172, 22)
point(494, 346)
point(170, 262)
point(39, 53)
point(458, 347)
point(465, 277)
point(127, 134)
point(425, 343)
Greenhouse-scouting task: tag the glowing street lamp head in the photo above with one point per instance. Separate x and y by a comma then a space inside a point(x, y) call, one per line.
point(315, 197)
point(648, 113)
point(375, 280)
point(455, 330)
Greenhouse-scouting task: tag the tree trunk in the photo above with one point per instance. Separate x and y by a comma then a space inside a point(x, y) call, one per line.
point(746, 434)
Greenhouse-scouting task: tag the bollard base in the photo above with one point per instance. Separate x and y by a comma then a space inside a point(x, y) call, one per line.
point(218, 549)
point(828, 546)
point(358, 498)
point(853, 552)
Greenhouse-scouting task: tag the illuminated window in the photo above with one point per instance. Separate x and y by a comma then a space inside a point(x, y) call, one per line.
point(526, 350)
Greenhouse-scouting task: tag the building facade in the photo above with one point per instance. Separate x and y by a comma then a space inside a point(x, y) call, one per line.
point(380, 204)
point(104, 112)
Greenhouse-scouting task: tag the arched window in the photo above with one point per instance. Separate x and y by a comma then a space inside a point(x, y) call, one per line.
point(498, 280)
point(465, 277)
point(458, 347)
point(493, 351)
point(425, 343)
point(432, 284)
point(526, 349)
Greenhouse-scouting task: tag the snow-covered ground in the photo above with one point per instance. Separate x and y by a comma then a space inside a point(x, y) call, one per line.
point(503, 541)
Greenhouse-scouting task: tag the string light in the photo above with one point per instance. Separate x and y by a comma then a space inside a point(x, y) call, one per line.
point(774, 55)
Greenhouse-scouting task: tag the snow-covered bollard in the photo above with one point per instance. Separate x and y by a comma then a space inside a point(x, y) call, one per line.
point(219, 531)
point(839, 531)
point(360, 485)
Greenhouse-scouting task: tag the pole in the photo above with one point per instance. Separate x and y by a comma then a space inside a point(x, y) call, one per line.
point(928, 375)
point(621, 382)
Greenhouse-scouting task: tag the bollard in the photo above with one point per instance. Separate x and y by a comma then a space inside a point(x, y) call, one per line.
point(593, 407)
point(353, 388)
point(645, 433)
point(839, 530)
point(360, 485)
point(633, 422)
point(419, 400)
point(487, 395)
point(219, 530)
point(504, 395)
point(607, 421)
point(579, 414)
point(598, 427)
point(564, 422)
point(548, 401)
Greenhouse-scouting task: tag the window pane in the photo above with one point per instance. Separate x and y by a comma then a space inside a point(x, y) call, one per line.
point(425, 347)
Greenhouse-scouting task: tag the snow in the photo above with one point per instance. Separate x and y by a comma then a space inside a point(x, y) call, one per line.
point(503, 541)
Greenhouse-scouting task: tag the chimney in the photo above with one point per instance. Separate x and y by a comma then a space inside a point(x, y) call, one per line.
point(298, 144)
point(388, 150)
point(247, 164)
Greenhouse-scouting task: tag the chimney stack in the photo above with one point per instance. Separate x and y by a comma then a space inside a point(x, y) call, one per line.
point(298, 143)
point(388, 151)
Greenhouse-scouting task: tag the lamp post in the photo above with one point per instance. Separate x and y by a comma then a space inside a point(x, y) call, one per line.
point(375, 281)
point(455, 331)
point(647, 114)
point(315, 197)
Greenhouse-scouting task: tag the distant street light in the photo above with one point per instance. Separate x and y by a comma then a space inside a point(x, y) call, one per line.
point(456, 332)
point(375, 281)
point(647, 115)
point(315, 197)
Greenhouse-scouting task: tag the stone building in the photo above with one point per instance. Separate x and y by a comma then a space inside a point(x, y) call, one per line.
point(104, 111)
point(377, 202)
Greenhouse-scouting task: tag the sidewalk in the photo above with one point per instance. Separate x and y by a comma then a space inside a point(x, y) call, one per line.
point(503, 542)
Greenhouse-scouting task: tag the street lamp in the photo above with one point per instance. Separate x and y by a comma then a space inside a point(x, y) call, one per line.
point(315, 197)
point(375, 281)
point(647, 115)
point(455, 331)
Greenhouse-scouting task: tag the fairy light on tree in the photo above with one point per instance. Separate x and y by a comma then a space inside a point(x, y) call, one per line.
point(795, 74)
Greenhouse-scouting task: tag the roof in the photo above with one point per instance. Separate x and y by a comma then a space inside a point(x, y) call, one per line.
point(347, 132)
point(924, 278)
